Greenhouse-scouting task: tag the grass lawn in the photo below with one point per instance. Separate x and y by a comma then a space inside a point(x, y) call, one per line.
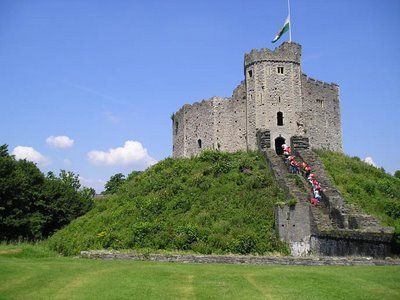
point(28, 272)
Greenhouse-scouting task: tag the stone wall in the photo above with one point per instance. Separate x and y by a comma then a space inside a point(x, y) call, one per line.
point(242, 259)
point(219, 123)
point(178, 133)
point(322, 114)
point(230, 121)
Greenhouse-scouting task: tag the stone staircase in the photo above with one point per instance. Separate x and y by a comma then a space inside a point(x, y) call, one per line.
point(333, 227)
point(343, 215)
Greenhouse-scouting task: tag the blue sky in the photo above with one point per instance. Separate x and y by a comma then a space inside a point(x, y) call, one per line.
point(106, 72)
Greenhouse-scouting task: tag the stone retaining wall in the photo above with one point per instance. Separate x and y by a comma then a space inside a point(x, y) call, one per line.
point(242, 259)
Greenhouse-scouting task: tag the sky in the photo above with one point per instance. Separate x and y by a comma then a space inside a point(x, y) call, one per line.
point(89, 86)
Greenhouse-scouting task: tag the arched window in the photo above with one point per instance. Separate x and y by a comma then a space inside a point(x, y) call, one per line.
point(280, 118)
point(199, 143)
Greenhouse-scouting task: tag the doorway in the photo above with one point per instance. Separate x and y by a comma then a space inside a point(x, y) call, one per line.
point(279, 141)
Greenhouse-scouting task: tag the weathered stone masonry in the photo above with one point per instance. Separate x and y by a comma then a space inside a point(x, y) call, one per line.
point(274, 96)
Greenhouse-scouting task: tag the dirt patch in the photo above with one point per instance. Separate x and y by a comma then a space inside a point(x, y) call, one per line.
point(10, 251)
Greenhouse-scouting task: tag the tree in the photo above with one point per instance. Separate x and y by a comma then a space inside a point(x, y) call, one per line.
point(63, 200)
point(20, 186)
point(33, 206)
point(4, 150)
point(114, 183)
point(397, 174)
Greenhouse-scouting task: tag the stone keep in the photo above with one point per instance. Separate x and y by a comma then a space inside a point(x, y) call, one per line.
point(275, 97)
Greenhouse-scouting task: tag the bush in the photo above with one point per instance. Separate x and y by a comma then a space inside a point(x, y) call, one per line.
point(244, 244)
point(392, 208)
point(205, 204)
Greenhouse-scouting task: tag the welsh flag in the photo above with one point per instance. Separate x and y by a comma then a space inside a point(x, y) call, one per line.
point(283, 30)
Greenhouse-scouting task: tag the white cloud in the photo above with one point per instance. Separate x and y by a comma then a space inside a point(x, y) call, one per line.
point(370, 161)
point(28, 153)
point(97, 184)
point(60, 141)
point(132, 153)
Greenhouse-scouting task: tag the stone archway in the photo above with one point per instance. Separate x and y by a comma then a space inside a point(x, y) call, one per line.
point(279, 141)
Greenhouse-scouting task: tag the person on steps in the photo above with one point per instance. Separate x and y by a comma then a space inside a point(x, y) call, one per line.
point(293, 166)
point(317, 195)
point(314, 201)
point(311, 177)
point(306, 169)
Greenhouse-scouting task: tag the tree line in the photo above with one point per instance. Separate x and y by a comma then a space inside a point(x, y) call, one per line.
point(34, 205)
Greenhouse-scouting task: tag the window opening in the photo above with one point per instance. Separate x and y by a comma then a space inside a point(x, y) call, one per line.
point(280, 70)
point(176, 127)
point(250, 73)
point(280, 118)
point(199, 143)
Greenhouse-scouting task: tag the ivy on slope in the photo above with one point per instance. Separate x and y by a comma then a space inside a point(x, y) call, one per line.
point(368, 187)
point(214, 203)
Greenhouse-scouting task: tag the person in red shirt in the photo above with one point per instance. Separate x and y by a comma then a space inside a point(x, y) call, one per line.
point(294, 166)
point(311, 177)
point(314, 201)
point(307, 170)
point(297, 167)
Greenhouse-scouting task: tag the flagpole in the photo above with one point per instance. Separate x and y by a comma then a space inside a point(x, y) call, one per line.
point(290, 22)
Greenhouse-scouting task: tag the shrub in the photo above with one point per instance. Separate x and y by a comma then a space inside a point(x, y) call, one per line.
point(392, 208)
point(203, 204)
point(244, 244)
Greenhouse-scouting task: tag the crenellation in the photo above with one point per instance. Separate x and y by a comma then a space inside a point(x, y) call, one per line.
point(287, 52)
point(273, 87)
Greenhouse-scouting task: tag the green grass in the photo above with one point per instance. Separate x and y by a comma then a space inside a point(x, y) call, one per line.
point(214, 203)
point(29, 275)
point(26, 250)
point(365, 186)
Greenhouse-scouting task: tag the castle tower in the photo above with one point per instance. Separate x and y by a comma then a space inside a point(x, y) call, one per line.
point(274, 99)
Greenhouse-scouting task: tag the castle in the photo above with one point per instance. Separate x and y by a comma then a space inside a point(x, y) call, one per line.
point(275, 97)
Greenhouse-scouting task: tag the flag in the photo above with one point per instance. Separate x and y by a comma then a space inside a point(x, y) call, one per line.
point(283, 30)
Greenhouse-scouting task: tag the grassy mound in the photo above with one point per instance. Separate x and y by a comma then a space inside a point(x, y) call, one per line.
point(370, 188)
point(214, 203)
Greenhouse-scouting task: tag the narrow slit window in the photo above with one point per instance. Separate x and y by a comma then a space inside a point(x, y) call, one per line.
point(280, 70)
point(199, 143)
point(280, 118)
point(176, 127)
point(250, 73)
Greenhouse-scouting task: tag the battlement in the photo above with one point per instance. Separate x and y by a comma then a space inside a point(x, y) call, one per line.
point(287, 52)
point(211, 102)
point(320, 83)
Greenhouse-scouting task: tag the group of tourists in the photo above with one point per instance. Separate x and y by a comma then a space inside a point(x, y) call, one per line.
point(296, 168)
point(315, 188)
